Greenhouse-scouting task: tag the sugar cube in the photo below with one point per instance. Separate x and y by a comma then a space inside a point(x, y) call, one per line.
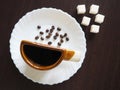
point(94, 9)
point(99, 18)
point(81, 9)
point(94, 28)
point(86, 21)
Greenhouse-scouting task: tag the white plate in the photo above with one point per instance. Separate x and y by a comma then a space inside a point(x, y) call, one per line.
point(26, 29)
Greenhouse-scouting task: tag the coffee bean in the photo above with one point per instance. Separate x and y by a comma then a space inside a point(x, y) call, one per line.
point(55, 37)
point(41, 33)
point(59, 44)
point(65, 34)
point(42, 38)
point(48, 36)
point(38, 27)
point(61, 36)
point(61, 40)
point(47, 30)
point(59, 29)
point(53, 27)
point(51, 30)
point(56, 34)
point(37, 37)
point(67, 39)
point(49, 43)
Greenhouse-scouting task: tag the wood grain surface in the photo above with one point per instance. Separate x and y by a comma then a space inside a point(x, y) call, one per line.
point(101, 67)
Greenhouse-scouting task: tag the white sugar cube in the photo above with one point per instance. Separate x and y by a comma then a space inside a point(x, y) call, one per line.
point(99, 18)
point(94, 9)
point(81, 9)
point(86, 21)
point(94, 28)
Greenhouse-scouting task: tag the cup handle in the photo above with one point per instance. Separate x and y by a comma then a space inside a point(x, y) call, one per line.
point(71, 55)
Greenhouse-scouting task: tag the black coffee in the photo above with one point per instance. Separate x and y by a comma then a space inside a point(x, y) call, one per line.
point(41, 56)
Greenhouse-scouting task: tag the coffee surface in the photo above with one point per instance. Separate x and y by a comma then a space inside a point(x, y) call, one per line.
point(41, 56)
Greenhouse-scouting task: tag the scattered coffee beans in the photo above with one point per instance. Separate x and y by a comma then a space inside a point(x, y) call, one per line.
point(49, 33)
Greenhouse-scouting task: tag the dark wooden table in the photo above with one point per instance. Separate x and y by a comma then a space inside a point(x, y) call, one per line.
point(101, 67)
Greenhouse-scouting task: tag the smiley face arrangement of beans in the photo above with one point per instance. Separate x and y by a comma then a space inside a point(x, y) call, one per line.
point(48, 33)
